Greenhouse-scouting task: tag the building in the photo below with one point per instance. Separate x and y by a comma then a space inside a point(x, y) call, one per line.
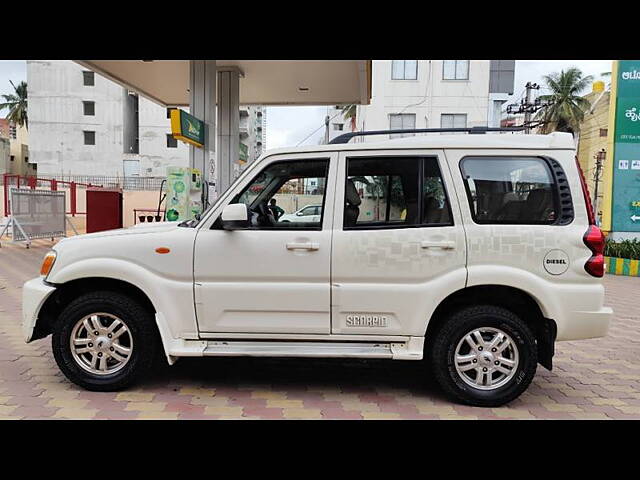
point(86, 125)
point(253, 126)
point(14, 150)
point(409, 94)
point(82, 124)
point(592, 144)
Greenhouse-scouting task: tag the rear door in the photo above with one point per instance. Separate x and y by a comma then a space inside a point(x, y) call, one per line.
point(398, 245)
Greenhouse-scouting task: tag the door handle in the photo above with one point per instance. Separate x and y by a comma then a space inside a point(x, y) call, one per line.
point(445, 245)
point(303, 246)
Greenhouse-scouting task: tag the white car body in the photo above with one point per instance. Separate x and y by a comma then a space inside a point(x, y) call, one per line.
point(308, 213)
point(332, 292)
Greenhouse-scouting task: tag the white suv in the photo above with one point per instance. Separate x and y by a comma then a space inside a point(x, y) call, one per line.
point(474, 252)
point(310, 213)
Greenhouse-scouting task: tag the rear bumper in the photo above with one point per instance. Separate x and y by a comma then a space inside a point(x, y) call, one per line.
point(34, 294)
point(580, 325)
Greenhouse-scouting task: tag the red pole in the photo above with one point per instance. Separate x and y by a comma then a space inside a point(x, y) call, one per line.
point(54, 185)
point(6, 194)
point(73, 199)
point(32, 182)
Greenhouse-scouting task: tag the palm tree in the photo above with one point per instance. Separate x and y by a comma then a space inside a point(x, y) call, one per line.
point(17, 105)
point(349, 113)
point(565, 107)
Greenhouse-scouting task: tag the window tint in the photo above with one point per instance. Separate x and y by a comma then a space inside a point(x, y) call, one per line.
point(171, 141)
point(281, 189)
point(516, 190)
point(394, 192)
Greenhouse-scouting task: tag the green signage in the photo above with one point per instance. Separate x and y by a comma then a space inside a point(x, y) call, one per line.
point(626, 163)
point(187, 128)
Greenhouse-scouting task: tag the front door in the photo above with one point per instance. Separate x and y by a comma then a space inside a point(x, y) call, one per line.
point(274, 276)
point(398, 246)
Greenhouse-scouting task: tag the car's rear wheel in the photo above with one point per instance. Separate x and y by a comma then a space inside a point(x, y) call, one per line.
point(104, 341)
point(484, 356)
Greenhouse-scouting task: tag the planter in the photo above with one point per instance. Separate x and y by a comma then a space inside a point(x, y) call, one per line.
point(622, 266)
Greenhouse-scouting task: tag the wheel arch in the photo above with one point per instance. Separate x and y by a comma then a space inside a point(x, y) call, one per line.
point(65, 292)
point(520, 302)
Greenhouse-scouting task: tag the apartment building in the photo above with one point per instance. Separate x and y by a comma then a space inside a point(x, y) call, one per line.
point(83, 124)
point(409, 94)
point(14, 149)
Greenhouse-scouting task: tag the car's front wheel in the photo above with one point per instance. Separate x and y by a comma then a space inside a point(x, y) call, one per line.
point(484, 356)
point(104, 341)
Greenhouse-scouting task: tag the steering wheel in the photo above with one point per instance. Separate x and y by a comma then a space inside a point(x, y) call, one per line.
point(265, 216)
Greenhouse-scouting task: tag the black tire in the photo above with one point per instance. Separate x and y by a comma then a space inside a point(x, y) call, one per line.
point(141, 324)
point(446, 339)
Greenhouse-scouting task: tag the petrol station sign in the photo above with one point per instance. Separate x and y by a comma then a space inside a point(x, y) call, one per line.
point(626, 163)
point(187, 128)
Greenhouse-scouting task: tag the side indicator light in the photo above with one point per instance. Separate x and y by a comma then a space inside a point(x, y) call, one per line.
point(162, 250)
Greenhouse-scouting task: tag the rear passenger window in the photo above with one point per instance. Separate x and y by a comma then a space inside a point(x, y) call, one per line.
point(510, 190)
point(394, 192)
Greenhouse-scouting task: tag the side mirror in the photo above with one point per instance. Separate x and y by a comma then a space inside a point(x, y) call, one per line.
point(235, 216)
point(299, 214)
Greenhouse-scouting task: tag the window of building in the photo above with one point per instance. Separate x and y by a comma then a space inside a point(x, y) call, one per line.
point(604, 132)
point(404, 70)
point(89, 137)
point(89, 108)
point(453, 120)
point(26, 159)
point(402, 121)
point(88, 78)
point(171, 142)
point(338, 126)
point(12, 131)
point(516, 190)
point(392, 193)
point(305, 178)
point(12, 157)
point(455, 70)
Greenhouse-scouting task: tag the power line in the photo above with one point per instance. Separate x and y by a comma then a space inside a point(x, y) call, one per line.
point(321, 126)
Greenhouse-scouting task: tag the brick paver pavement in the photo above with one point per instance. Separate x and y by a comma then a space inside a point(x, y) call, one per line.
point(592, 379)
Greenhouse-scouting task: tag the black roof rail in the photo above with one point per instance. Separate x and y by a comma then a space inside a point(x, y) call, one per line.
point(345, 137)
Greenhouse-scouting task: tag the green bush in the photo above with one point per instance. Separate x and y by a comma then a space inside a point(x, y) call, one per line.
point(624, 249)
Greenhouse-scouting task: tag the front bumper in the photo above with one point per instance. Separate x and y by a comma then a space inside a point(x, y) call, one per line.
point(34, 294)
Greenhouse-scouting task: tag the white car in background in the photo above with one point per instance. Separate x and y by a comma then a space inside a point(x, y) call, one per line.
point(309, 213)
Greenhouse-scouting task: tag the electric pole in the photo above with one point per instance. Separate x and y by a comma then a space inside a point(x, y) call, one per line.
point(600, 156)
point(326, 130)
point(526, 106)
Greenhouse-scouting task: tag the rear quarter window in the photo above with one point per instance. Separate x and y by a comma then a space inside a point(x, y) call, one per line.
point(511, 190)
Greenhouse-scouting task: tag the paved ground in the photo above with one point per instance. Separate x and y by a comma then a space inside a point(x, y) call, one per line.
point(594, 379)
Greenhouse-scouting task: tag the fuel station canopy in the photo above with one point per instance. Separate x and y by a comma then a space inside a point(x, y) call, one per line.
point(262, 82)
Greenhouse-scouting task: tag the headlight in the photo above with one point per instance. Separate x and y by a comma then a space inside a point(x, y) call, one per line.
point(47, 263)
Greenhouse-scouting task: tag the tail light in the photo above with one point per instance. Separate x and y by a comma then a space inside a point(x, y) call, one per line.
point(594, 239)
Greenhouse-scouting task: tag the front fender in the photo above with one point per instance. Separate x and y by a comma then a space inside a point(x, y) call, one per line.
point(172, 298)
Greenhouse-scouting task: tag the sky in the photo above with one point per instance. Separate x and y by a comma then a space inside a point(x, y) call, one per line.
point(287, 126)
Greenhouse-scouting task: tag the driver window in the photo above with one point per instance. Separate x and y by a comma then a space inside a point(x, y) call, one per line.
point(287, 195)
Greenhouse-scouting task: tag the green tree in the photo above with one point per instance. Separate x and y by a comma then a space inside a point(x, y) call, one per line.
point(565, 107)
point(17, 105)
point(349, 113)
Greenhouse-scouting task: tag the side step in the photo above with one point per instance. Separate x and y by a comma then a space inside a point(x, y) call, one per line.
point(298, 349)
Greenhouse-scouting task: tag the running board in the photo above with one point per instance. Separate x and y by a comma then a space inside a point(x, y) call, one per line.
point(410, 350)
point(298, 349)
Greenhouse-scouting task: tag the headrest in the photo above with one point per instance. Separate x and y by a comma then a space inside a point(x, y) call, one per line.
point(538, 196)
point(351, 194)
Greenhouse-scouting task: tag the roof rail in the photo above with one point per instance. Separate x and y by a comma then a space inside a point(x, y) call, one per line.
point(345, 137)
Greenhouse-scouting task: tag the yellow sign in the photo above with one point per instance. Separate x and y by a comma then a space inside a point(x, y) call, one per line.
point(187, 128)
